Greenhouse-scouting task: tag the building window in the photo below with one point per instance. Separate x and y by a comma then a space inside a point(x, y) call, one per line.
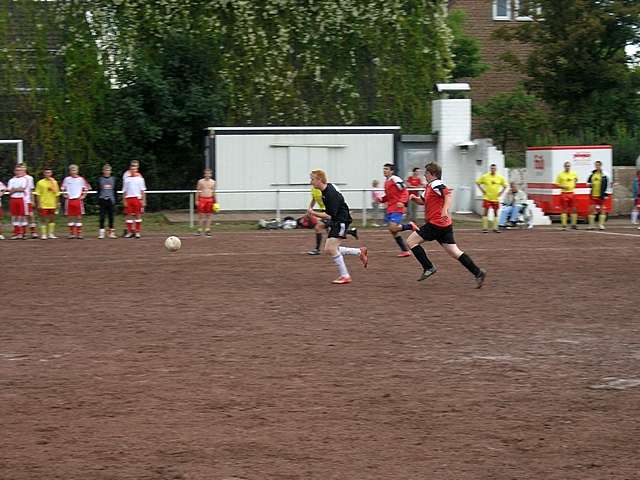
point(524, 10)
point(502, 9)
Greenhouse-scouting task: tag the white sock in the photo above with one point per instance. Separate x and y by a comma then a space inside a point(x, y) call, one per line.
point(342, 267)
point(349, 251)
point(634, 216)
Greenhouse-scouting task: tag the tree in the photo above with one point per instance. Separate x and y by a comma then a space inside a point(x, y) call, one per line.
point(465, 50)
point(578, 64)
point(512, 118)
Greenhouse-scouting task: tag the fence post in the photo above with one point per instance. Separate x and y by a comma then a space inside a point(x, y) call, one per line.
point(364, 208)
point(278, 204)
point(191, 204)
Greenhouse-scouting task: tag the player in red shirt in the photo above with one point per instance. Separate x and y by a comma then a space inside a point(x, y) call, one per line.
point(438, 226)
point(414, 181)
point(396, 196)
point(74, 188)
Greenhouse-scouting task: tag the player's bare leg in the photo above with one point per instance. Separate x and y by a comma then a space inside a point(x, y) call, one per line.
point(207, 224)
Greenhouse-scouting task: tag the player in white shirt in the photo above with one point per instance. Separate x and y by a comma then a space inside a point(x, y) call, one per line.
point(28, 204)
point(16, 187)
point(74, 189)
point(3, 187)
point(134, 200)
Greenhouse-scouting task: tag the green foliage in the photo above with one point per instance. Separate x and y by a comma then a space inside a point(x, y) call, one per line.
point(578, 64)
point(512, 118)
point(141, 79)
point(465, 49)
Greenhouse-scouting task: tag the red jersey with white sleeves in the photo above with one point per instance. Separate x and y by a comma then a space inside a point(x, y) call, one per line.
point(133, 186)
point(434, 196)
point(74, 186)
point(18, 182)
point(394, 192)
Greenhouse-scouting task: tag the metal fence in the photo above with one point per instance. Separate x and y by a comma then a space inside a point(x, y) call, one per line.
point(366, 198)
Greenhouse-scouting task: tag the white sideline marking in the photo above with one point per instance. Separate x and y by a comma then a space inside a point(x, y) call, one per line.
point(161, 254)
point(617, 384)
point(600, 232)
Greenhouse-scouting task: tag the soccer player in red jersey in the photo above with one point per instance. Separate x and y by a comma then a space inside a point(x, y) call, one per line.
point(396, 197)
point(438, 227)
point(16, 188)
point(134, 199)
point(3, 187)
point(74, 188)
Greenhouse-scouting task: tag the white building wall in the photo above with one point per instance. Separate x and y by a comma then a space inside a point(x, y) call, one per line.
point(268, 162)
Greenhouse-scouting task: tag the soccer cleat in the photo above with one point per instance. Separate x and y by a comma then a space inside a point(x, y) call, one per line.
point(16, 237)
point(101, 233)
point(79, 237)
point(315, 251)
point(601, 227)
point(34, 235)
point(1, 237)
point(342, 280)
point(364, 256)
point(137, 235)
point(207, 233)
point(427, 273)
point(404, 254)
point(497, 230)
point(564, 229)
point(128, 235)
point(71, 236)
point(414, 226)
point(353, 232)
point(52, 236)
point(485, 230)
point(112, 234)
point(43, 237)
point(574, 227)
point(480, 278)
point(197, 234)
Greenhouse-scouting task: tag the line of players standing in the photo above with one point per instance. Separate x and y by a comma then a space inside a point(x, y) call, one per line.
point(25, 198)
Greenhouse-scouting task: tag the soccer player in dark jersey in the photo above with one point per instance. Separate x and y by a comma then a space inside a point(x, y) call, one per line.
point(337, 211)
point(438, 227)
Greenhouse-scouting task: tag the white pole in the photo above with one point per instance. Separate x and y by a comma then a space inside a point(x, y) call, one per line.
point(191, 203)
point(20, 153)
point(364, 208)
point(278, 204)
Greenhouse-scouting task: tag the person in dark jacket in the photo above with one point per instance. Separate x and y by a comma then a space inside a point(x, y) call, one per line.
point(599, 182)
point(106, 200)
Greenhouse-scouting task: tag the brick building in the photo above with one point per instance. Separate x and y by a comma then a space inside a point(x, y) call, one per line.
point(483, 18)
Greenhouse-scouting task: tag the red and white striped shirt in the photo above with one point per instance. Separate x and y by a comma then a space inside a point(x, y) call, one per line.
point(74, 186)
point(133, 186)
point(18, 182)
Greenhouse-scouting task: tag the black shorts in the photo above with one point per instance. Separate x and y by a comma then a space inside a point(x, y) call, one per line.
point(441, 235)
point(338, 229)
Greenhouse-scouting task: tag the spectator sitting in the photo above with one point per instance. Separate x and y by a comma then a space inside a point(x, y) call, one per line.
point(514, 202)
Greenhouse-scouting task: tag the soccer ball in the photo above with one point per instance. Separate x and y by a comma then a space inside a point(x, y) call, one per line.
point(215, 208)
point(172, 244)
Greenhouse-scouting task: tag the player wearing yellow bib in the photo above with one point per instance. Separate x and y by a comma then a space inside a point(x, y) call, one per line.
point(567, 180)
point(47, 199)
point(492, 185)
point(599, 182)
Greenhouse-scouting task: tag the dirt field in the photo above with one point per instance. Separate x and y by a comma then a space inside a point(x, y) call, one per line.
point(235, 358)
